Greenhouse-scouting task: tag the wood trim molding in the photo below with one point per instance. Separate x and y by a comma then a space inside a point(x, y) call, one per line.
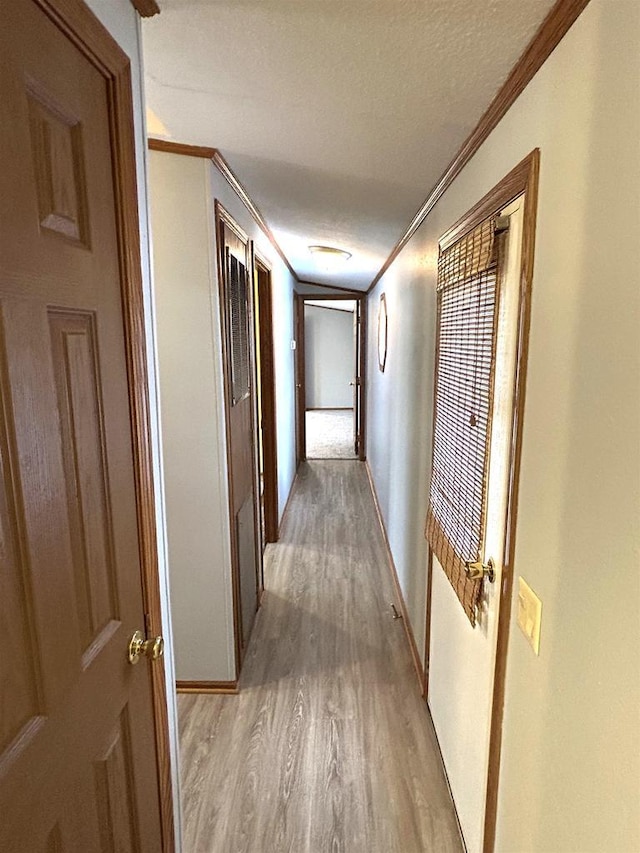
point(288, 502)
point(446, 776)
point(364, 320)
point(227, 687)
point(413, 648)
point(180, 148)
point(529, 171)
point(146, 8)
point(222, 214)
point(550, 33)
point(516, 182)
point(268, 394)
point(87, 33)
point(83, 28)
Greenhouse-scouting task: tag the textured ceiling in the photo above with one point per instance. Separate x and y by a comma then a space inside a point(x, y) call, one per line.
point(338, 116)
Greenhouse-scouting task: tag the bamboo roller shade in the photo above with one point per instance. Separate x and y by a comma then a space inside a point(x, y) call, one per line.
point(467, 293)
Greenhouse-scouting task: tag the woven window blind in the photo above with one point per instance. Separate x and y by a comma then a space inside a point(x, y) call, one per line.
point(238, 328)
point(467, 294)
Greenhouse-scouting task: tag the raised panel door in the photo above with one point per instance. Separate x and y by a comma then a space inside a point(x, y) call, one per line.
point(77, 739)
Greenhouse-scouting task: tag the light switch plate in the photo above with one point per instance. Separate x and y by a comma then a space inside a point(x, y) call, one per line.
point(529, 614)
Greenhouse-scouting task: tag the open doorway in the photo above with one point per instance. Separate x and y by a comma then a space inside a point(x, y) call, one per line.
point(329, 376)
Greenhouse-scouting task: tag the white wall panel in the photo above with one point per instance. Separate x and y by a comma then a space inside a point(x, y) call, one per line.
point(183, 193)
point(330, 359)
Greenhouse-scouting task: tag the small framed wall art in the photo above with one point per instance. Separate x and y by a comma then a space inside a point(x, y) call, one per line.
point(382, 332)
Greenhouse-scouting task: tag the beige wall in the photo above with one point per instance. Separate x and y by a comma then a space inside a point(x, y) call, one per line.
point(193, 438)
point(571, 748)
point(182, 191)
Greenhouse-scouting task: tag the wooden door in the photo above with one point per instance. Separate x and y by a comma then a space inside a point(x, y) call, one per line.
point(267, 408)
point(471, 658)
point(236, 304)
point(301, 393)
point(78, 768)
point(357, 377)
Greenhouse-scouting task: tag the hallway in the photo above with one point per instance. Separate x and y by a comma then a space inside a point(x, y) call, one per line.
point(328, 746)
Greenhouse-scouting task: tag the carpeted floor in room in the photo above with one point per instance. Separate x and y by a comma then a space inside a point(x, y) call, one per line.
point(330, 434)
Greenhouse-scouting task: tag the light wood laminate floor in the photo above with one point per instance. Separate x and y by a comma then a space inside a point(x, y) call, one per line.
point(328, 747)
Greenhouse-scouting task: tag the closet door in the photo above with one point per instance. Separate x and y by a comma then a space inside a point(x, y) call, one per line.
point(236, 305)
point(78, 767)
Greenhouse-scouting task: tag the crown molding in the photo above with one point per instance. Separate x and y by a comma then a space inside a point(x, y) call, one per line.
point(225, 170)
point(146, 8)
point(555, 26)
point(180, 148)
point(227, 173)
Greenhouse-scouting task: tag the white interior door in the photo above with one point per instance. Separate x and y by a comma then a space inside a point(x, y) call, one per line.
point(462, 658)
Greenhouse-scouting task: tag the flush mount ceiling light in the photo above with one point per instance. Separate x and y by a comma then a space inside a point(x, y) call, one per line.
point(329, 257)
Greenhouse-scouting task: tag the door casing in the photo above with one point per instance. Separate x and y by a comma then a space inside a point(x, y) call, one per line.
point(301, 391)
point(522, 180)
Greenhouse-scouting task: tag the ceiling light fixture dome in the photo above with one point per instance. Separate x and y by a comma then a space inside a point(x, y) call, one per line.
point(330, 257)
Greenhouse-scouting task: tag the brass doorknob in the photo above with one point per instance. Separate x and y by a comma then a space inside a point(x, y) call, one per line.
point(479, 571)
point(138, 646)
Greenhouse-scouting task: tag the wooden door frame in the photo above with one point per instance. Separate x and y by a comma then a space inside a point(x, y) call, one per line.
point(300, 389)
point(224, 219)
point(268, 394)
point(82, 27)
point(523, 179)
point(300, 378)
